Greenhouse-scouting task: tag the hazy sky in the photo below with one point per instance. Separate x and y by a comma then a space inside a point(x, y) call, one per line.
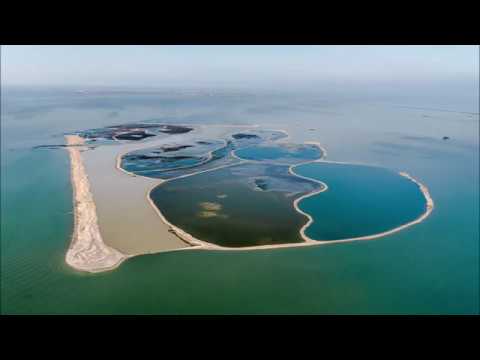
point(265, 66)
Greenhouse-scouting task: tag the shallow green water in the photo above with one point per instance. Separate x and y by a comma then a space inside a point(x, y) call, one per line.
point(360, 200)
point(430, 268)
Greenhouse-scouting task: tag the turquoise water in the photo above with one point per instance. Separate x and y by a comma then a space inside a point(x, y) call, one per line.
point(360, 200)
point(430, 268)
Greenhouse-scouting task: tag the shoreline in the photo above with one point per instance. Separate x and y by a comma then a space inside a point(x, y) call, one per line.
point(297, 201)
point(207, 159)
point(429, 205)
point(87, 251)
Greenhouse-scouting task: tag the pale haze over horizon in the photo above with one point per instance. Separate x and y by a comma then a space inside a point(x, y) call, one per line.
point(446, 71)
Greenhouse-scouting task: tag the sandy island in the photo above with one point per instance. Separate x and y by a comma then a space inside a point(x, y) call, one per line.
point(87, 251)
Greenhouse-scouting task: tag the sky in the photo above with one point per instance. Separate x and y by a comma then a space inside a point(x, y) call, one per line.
point(267, 66)
point(421, 74)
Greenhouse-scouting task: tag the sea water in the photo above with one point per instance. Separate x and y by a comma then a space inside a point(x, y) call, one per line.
point(430, 268)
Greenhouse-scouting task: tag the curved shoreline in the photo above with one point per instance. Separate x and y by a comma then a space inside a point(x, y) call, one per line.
point(429, 208)
point(209, 156)
point(200, 244)
point(87, 251)
point(297, 201)
point(424, 190)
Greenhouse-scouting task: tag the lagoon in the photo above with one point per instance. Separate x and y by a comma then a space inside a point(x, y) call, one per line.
point(361, 200)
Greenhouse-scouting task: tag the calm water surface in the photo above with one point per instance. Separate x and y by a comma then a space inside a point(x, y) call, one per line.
point(246, 216)
point(360, 200)
point(431, 268)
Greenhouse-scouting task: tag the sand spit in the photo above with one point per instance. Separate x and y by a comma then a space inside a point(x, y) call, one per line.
point(87, 251)
point(322, 149)
point(295, 203)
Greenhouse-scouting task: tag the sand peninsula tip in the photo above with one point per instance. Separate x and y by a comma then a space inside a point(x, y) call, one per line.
point(87, 251)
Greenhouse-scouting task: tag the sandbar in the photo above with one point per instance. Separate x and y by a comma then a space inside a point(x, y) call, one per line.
point(87, 251)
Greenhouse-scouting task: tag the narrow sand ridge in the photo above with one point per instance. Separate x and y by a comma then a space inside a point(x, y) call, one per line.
point(87, 251)
point(429, 205)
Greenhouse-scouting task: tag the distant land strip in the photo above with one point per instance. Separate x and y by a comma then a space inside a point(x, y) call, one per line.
point(440, 110)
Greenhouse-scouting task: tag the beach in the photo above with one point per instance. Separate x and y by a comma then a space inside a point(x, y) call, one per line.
point(87, 251)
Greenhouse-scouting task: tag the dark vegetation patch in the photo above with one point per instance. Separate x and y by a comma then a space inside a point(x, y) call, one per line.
point(133, 126)
point(261, 183)
point(175, 148)
point(153, 157)
point(175, 158)
point(134, 135)
point(174, 129)
point(56, 146)
point(245, 136)
point(133, 131)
